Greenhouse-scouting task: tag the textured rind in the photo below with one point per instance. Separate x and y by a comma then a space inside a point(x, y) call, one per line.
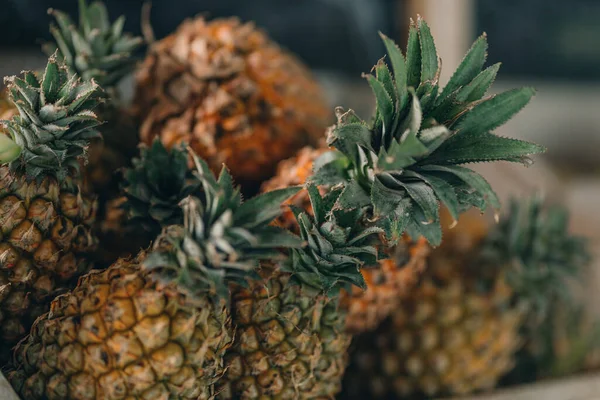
point(233, 94)
point(7, 109)
point(293, 172)
point(45, 238)
point(449, 338)
point(386, 283)
point(121, 335)
point(289, 344)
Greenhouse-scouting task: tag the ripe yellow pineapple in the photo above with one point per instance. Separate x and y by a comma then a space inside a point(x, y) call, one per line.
point(156, 326)
point(230, 92)
point(291, 341)
point(385, 283)
point(46, 218)
point(481, 299)
point(121, 333)
point(448, 337)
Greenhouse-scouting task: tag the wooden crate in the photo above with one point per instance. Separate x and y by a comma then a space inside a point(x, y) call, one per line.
point(6, 392)
point(586, 387)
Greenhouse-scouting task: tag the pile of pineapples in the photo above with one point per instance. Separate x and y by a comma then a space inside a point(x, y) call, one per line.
point(170, 249)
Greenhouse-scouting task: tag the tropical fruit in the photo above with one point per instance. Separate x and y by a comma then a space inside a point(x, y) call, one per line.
point(386, 282)
point(156, 326)
point(232, 94)
point(98, 49)
point(46, 217)
point(448, 337)
point(482, 302)
point(291, 341)
point(406, 161)
point(151, 190)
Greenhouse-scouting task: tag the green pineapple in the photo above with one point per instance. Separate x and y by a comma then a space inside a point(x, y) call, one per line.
point(539, 257)
point(291, 340)
point(46, 217)
point(156, 326)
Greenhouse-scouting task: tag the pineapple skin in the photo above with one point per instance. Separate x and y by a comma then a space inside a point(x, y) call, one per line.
point(294, 171)
point(119, 334)
point(448, 338)
point(386, 283)
point(7, 109)
point(46, 238)
point(289, 344)
point(230, 92)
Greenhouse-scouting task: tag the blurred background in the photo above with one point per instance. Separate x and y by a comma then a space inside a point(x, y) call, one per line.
point(550, 44)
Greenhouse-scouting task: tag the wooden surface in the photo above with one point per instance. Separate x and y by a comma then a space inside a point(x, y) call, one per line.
point(585, 387)
point(6, 392)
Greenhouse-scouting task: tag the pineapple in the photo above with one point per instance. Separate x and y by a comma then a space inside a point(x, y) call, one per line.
point(230, 92)
point(545, 263)
point(365, 308)
point(7, 109)
point(98, 49)
point(447, 337)
point(151, 191)
point(156, 326)
point(292, 172)
point(482, 298)
point(45, 216)
point(406, 161)
point(291, 341)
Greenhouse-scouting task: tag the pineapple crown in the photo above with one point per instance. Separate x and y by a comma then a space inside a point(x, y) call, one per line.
point(338, 245)
point(155, 185)
point(222, 239)
point(407, 160)
point(96, 49)
point(536, 252)
point(51, 134)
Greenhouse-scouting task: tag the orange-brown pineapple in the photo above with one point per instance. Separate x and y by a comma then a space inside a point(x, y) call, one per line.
point(233, 94)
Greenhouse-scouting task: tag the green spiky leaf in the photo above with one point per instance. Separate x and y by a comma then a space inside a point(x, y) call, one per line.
point(220, 242)
point(55, 123)
point(413, 58)
point(338, 245)
point(429, 57)
point(495, 111)
point(96, 49)
point(9, 150)
point(399, 68)
point(537, 253)
point(155, 185)
point(481, 147)
point(469, 68)
point(406, 160)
